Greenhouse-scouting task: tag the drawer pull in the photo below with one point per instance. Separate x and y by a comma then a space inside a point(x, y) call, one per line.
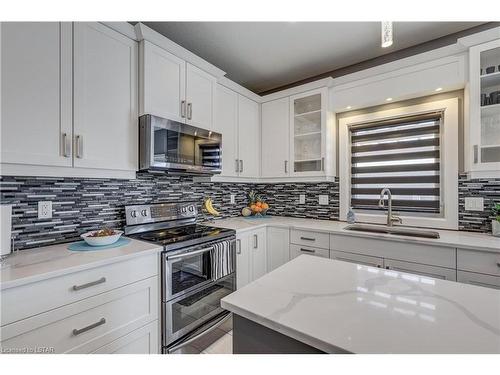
point(307, 250)
point(307, 239)
point(89, 327)
point(92, 283)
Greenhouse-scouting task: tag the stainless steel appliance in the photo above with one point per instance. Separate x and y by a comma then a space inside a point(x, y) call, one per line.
point(173, 146)
point(197, 269)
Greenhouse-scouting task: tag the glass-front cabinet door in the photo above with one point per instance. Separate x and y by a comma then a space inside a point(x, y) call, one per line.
point(485, 106)
point(307, 135)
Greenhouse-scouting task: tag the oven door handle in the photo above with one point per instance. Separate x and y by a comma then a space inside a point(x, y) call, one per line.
point(189, 253)
point(189, 340)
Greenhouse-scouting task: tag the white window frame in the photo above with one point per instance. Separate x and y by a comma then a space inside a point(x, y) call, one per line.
point(448, 162)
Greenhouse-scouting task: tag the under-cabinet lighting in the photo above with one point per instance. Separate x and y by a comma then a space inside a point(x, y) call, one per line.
point(386, 34)
point(388, 100)
point(348, 107)
point(439, 89)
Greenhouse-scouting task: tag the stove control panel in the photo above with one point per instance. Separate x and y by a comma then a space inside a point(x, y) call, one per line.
point(144, 214)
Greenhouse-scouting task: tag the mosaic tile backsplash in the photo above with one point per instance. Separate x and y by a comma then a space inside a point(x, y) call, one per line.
point(489, 189)
point(80, 205)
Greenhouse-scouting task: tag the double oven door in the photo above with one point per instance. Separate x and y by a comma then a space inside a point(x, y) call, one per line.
point(193, 286)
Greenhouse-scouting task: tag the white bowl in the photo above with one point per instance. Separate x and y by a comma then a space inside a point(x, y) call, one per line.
point(101, 241)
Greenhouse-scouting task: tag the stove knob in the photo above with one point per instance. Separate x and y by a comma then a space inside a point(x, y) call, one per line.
point(183, 210)
point(133, 213)
point(191, 208)
point(144, 212)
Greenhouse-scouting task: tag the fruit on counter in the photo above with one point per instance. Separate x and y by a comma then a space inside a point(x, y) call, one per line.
point(208, 204)
point(246, 211)
point(256, 203)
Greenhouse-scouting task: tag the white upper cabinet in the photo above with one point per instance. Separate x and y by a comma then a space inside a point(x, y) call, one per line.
point(248, 137)
point(174, 89)
point(226, 123)
point(308, 133)
point(274, 138)
point(484, 109)
point(162, 84)
point(36, 93)
point(105, 98)
point(200, 98)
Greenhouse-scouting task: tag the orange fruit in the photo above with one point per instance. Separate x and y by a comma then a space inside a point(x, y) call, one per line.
point(265, 206)
point(253, 207)
point(258, 209)
point(258, 204)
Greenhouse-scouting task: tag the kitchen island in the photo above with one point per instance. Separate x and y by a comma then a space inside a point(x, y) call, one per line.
point(313, 304)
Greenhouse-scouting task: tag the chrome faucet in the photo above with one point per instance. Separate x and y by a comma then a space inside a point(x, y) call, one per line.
point(390, 217)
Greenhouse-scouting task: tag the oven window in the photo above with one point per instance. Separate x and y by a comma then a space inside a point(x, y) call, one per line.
point(190, 271)
point(200, 305)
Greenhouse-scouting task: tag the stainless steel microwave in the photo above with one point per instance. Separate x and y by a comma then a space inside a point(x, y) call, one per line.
point(173, 146)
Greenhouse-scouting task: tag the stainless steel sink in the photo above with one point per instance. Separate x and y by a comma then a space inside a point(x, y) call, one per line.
point(392, 230)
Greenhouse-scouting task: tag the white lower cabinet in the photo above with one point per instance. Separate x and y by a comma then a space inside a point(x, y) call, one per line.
point(296, 250)
point(357, 258)
point(421, 269)
point(478, 279)
point(107, 314)
point(143, 340)
point(251, 256)
point(278, 247)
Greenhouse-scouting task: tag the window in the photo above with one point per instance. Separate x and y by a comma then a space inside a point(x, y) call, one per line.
point(412, 150)
point(402, 154)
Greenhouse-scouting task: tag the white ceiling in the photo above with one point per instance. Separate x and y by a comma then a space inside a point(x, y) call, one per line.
point(265, 55)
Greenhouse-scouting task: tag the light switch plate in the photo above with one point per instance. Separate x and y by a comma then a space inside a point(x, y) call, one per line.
point(323, 200)
point(474, 204)
point(233, 199)
point(302, 199)
point(44, 209)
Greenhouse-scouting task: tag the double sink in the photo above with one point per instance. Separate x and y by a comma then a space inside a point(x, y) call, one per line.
point(398, 231)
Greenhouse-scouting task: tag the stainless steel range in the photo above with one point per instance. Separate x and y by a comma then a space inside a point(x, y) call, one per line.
point(197, 269)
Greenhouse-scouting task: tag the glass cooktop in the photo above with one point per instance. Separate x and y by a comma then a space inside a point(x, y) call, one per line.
point(179, 234)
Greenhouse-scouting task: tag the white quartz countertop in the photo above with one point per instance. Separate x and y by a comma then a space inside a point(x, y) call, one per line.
point(331, 305)
point(460, 239)
point(31, 265)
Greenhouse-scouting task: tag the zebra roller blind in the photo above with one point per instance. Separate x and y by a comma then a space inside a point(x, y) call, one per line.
point(402, 154)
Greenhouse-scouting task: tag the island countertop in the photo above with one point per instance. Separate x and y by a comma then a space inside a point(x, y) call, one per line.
point(332, 305)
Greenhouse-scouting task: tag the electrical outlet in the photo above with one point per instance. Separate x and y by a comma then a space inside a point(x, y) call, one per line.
point(44, 209)
point(323, 200)
point(302, 199)
point(233, 199)
point(474, 204)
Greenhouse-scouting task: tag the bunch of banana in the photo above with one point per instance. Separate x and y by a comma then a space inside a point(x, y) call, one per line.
point(209, 207)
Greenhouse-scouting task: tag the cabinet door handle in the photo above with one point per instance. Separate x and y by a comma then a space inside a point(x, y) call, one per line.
point(307, 250)
point(89, 327)
point(236, 169)
point(307, 239)
point(190, 111)
point(255, 241)
point(88, 285)
point(322, 164)
point(65, 144)
point(79, 146)
point(183, 108)
point(238, 248)
point(476, 154)
point(286, 166)
point(241, 166)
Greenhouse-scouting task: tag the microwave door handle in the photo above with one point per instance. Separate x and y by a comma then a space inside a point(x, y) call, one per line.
point(190, 253)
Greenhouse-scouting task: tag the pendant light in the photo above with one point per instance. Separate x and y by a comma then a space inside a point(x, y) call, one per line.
point(386, 34)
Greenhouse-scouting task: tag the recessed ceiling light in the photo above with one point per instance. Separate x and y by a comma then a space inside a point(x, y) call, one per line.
point(439, 89)
point(348, 107)
point(386, 34)
point(388, 99)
